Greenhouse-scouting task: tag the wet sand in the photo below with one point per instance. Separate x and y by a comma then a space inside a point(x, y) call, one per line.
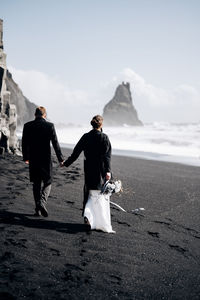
point(153, 255)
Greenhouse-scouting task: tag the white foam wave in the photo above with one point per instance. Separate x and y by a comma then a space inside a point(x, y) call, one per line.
point(172, 142)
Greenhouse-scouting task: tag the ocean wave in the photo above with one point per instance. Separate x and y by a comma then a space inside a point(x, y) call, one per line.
point(160, 141)
point(180, 140)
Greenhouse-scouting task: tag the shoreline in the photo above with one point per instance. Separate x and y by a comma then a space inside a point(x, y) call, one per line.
point(190, 161)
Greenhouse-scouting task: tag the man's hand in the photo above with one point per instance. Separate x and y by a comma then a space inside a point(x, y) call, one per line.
point(27, 162)
point(108, 176)
point(62, 163)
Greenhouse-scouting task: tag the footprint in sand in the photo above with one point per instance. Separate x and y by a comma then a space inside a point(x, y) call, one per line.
point(154, 234)
point(72, 273)
point(55, 252)
point(84, 240)
point(72, 172)
point(13, 242)
point(69, 202)
point(82, 252)
point(115, 279)
point(163, 223)
point(13, 232)
point(6, 256)
point(18, 193)
point(9, 188)
point(178, 248)
point(124, 223)
point(12, 275)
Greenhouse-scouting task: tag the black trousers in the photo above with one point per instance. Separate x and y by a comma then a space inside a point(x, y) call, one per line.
point(85, 197)
point(41, 191)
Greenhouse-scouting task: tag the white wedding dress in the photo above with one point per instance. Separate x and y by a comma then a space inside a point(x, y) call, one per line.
point(97, 211)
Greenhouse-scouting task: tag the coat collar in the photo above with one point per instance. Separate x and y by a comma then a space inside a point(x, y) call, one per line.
point(96, 131)
point(40, 119)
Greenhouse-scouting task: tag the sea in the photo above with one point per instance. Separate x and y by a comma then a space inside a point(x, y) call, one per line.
point(179, 143)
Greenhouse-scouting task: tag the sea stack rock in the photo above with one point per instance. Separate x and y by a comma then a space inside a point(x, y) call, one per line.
point(120, 109)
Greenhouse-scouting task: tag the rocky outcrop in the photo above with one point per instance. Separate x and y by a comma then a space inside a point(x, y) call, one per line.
point(15, 109)
point(120, 109)
point(8, 118)
point(25, 108)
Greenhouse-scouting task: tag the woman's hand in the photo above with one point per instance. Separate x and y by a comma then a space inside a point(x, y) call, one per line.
point(108, 176)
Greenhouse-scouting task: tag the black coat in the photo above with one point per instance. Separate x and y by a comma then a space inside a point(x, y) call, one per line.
point(36, 148)
point(97, 151)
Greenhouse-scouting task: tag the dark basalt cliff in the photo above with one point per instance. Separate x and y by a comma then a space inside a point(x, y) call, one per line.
point(25, 109)
point(120, 109)
point(15, 109)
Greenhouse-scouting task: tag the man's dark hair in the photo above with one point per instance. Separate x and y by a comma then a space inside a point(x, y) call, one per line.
point(40, 111)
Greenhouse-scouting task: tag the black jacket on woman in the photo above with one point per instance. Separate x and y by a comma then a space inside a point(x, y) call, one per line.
point(97, 158)
point(36, 138)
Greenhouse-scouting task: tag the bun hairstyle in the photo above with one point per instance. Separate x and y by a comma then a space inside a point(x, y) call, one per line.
point(97, 122)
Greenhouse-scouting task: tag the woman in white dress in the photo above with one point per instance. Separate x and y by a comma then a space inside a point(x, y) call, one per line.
point(97, 169)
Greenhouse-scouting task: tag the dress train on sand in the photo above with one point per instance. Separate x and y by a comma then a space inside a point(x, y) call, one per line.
point(97, 209)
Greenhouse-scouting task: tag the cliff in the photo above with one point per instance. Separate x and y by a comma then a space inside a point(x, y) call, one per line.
point(25, 108)
point(15, 109)
point(120, 109)
point(8, 117)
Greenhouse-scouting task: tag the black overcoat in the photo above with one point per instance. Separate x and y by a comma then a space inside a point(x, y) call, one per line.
point(97, 151)
point(36, 148)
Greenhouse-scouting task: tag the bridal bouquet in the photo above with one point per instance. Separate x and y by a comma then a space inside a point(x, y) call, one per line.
point(111, 187)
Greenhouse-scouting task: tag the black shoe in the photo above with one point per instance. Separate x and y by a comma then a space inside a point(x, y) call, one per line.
point(43, 210)
point(88, 226)
point(37, 213)
point(86, 221)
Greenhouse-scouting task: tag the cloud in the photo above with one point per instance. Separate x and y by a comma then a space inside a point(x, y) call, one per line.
point(64, 104)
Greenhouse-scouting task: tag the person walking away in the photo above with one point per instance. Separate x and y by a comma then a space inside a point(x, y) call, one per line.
point(97, 152)
point(36, 149)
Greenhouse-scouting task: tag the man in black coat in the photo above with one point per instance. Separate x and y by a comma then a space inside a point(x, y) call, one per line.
point(36, 149)
point(97, 151)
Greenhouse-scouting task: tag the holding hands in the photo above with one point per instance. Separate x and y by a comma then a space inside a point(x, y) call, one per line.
point(62, 163)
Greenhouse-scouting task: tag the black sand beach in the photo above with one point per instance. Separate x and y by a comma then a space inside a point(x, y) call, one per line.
point(155, 253)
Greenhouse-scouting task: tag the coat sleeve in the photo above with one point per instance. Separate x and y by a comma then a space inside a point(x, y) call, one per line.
point(25, 144)
point(76, 152)
point(106, 155)
point(56, 145)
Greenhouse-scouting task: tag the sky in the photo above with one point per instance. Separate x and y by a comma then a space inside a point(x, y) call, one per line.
point(70, 55)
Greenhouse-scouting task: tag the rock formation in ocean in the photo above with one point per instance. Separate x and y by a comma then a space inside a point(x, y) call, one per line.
point(120, 109)
point(14, 107)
